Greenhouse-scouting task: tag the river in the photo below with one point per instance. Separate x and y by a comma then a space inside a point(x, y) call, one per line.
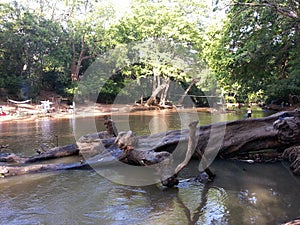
point(240, 194)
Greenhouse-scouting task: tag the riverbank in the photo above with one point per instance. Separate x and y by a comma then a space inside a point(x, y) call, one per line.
point(29, 112)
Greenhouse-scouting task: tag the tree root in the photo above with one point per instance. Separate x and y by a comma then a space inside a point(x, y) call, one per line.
point(292, 154)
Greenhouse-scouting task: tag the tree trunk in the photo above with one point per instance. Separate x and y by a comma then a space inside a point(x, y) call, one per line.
point(76, 63)
point(279, 131)
point(152, 99)
point(53, 153)
point(164, 94)
point(180, 102)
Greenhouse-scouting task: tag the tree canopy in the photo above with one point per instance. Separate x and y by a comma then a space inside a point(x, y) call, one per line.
point(259, 49)
point(250, 55)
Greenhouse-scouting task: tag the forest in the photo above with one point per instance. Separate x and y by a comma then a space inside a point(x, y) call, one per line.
point(245, 51)
point(155, 52)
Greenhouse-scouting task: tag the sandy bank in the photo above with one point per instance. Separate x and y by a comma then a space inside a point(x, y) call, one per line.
point(28, 112)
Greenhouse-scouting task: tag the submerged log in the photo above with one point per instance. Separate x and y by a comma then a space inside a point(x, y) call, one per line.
point(53, 153)
point(229, 139)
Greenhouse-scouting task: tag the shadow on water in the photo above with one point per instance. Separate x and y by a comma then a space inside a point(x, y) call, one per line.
point(60, 199)
point(240, 194)
point(256, 193)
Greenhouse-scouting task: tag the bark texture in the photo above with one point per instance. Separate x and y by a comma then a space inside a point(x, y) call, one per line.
point(280, 131)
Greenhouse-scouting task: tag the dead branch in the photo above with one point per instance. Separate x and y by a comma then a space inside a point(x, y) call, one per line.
point(288, 12)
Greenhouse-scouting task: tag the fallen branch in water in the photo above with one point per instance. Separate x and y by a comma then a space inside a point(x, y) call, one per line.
point(279, 131)
point(53, 153)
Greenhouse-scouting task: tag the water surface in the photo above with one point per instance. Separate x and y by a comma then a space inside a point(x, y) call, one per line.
point(241, 193)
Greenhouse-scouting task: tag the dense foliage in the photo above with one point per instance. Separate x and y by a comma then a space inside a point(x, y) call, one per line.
point(251, 56)
point(33, 52)
point(258, 52)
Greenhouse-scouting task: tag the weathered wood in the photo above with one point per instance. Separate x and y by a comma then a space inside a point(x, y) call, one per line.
point(110, 126)
point(127, 141)
point(10, 157)
point(190, 148)
point(8, 171)
point(278, 131)
point(293, 222)
point(203, 159)
point(292, 154)
point(16, 170)
point(53, 153)
point(152, 99)
point(241, 136)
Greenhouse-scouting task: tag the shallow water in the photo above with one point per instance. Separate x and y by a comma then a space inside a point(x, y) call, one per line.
point(241, 193)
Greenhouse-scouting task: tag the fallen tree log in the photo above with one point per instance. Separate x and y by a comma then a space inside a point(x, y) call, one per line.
point(279, 131)
point(53, 153)
point(293, 222)
point(292, 154)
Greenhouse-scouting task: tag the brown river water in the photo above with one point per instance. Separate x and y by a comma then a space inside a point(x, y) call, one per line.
point(241, 193)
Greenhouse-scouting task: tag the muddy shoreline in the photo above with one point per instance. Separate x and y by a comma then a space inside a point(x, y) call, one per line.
point(29, 112)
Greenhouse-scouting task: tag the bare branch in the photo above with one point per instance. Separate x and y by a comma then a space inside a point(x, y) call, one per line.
point(289, 12)
point(191, 147)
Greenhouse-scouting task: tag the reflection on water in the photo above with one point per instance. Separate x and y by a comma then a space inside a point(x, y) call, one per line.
point(241, 193)
point(25, 137)
point(83, 197)
point(61, 199)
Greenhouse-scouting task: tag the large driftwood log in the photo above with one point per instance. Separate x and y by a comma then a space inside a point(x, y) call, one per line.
point(53, 153)
point(292, 154)
point(279, 131)
point(293, 222)
point(241, 136)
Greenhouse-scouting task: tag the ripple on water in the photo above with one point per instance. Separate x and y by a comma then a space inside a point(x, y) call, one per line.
point(241, 193)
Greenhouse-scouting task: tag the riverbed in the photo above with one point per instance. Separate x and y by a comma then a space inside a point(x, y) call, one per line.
point(241, 193)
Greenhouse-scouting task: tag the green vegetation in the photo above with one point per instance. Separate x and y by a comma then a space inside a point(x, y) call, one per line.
point(249, 56)
point(257, 50)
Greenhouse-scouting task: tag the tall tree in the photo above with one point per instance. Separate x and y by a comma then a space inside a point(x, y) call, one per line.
point(87, 32)
point(45, 41)
point(178, 22)
point(31, 45)
point(260, 47)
